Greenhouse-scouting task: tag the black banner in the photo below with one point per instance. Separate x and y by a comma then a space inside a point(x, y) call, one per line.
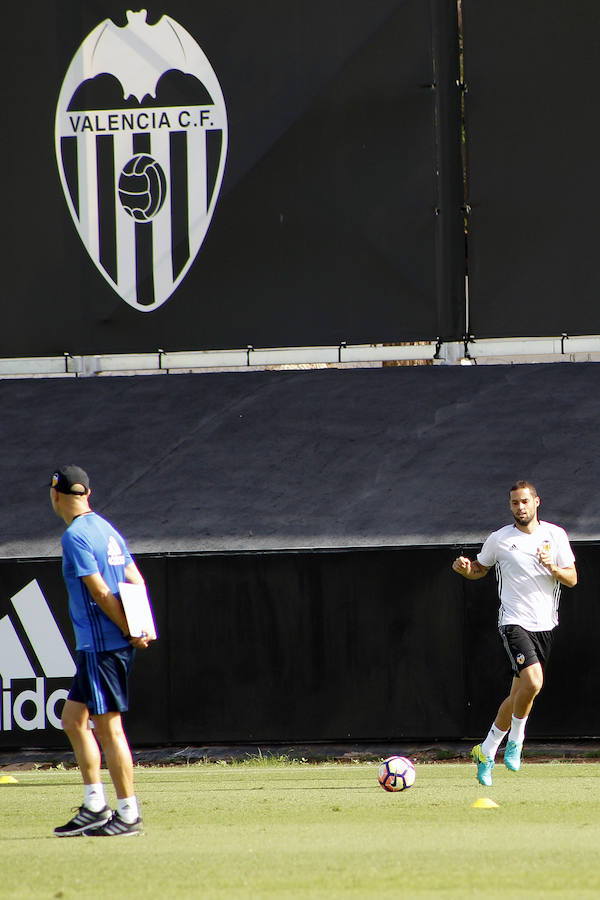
point(371, 645)
point(286, 176)
point(532, 137)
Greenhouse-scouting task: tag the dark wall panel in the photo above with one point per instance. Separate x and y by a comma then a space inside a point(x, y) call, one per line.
point(330, 224)
point(532, 137)
point(315, 646)
point(371, 645)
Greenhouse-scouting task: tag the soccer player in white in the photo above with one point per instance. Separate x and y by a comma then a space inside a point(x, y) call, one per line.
point(532, 559)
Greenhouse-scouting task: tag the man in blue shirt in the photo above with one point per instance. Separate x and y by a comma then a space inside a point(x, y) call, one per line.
point(95, 560)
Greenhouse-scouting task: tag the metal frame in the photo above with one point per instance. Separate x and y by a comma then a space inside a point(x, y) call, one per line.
point(471, 351)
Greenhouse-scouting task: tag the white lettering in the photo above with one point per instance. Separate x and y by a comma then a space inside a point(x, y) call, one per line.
point(13, 714)
point(6, 711)
point(114, 120)
point(51, 702)
point(37, 698)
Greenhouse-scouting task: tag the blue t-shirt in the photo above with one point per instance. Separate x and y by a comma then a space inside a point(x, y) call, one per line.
point(91, 544)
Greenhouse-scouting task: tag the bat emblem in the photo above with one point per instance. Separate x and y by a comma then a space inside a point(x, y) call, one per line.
point(141, 144)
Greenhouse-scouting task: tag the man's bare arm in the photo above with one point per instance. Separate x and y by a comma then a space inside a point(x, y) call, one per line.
point(111, 605)
point(566, 575)
point(133, 574)
point(470, 569)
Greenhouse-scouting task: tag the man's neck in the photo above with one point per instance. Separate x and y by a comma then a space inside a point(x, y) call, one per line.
point(69, 515)
point(530, 527)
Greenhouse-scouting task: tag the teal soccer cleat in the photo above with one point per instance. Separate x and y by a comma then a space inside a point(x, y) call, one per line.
point(484, 766)
point(512, 756)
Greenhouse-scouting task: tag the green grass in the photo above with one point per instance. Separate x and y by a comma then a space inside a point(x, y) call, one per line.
point(291, 830)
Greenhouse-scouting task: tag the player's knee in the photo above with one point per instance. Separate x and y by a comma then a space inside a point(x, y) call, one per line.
point(108, 727)
point(532, 684)
point(67, 725)
point(71, 719)
point(71, 726)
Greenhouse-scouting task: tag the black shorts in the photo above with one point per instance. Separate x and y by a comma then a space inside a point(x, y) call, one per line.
point(524, 648)
point(101, 680)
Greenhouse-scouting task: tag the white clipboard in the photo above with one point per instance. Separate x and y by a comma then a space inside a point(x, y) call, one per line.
point(138, 611)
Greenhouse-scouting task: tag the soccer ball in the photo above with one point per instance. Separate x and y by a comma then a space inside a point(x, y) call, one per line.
point(142, 187)
point(396, 773)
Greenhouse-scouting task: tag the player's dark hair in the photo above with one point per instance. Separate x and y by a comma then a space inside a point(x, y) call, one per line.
point(522, 486)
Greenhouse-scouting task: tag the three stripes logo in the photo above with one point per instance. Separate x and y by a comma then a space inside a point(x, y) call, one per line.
point(46, 651)
point(141, 142)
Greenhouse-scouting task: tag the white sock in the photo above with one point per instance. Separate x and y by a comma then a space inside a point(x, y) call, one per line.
point(493, 741)
point(94, 797)
point(128, 809)
point(517, 729)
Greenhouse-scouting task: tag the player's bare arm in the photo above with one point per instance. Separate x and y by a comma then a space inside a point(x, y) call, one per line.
point(566, 575)
point(469, 568)
point(133, 574)
point(111, 605)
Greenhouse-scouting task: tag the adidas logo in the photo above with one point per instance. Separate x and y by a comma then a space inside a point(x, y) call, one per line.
point(51, 655)
point(114, 552)
point(514, 547)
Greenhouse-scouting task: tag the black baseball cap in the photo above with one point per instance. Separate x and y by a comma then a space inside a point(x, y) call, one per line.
point(66, 478)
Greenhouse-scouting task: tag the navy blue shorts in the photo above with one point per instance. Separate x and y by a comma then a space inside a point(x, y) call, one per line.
point(101, 680)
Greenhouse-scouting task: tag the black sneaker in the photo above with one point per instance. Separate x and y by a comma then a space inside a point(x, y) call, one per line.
point(85, 818)
point(114, 827)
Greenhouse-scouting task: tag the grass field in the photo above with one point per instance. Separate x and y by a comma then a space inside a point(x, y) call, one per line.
point(291, 830)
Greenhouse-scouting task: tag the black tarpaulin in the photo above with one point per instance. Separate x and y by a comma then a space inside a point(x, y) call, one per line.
point(303, 459)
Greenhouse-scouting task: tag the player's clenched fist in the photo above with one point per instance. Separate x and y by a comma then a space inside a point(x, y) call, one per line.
point(462, 564)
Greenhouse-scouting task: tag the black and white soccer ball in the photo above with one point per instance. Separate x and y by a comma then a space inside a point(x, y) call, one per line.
point(142, 187)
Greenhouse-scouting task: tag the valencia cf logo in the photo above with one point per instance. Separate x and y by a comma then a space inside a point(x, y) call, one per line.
point(141, 142)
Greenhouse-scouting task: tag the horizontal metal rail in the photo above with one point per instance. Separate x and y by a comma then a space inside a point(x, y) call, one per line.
point(561, 348)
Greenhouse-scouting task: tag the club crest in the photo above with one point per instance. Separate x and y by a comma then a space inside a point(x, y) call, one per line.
point(141, 142)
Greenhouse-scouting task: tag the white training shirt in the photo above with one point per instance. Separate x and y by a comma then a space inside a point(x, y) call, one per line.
point(529, 594)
